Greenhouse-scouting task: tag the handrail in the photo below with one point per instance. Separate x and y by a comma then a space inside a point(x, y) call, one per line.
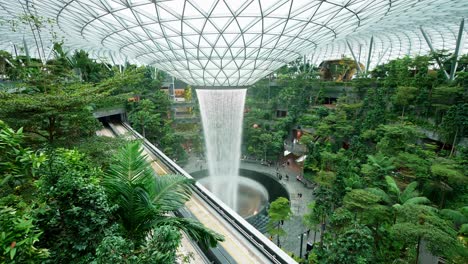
point(250, 233)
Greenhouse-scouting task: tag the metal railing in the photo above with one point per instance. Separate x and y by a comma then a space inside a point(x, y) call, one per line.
point(272, 252)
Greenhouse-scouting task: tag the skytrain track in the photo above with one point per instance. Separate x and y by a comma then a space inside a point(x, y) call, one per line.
point(243, 243)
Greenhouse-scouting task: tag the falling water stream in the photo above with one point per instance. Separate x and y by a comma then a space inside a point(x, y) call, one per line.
point(222, 112)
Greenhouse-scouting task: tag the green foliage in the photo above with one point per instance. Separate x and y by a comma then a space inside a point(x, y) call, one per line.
point(18, 237)
point(413, 166)
point(115, 249)
point(18, 165)
point(263, 137)
point(445, 96)
point(73, 209)
point(51, 117)
point(354, 245)
point(446, 178)
point(459, 219)
point(377, 167)
point(88, 69)
point(396, 198)
point(159, 247)
point(422, 223)
point(404, 96)
point(149, 116)
point(144, 198)
point(397, 137)
point(373, 109)
point(100, 149)
point(369, 158)
point(454, 124)
point(278, 212)
point(336, 127)
point(143, 117)
point(367, 206)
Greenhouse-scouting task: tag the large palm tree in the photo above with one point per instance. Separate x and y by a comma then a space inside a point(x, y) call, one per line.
point(144, 198)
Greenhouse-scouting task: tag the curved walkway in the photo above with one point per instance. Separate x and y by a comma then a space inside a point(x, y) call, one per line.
point(294, 227)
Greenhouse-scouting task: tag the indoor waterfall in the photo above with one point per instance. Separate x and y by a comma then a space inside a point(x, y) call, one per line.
point(222, 112)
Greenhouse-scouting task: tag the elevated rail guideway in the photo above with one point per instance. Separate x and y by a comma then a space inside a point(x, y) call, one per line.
point(243, 243)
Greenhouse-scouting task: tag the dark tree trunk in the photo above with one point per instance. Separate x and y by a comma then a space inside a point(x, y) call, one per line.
point(277, 237)
point(442, 199)
point(417, 250)
point(51, 129)
point(453, 143)
point(322, 230)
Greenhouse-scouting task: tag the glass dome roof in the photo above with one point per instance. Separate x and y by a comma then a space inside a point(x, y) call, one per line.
point(233, 43)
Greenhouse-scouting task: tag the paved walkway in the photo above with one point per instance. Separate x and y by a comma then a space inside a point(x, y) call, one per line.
point(293, 227)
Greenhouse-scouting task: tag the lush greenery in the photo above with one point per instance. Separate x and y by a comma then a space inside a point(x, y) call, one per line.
point(69, 196)
point(58, 207)
point(385, 158)
point(278, 212)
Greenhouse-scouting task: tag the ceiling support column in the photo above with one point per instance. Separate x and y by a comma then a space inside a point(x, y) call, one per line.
point(381, 55)
point(358, 67)
point(369, 56)
point(457, 50)
point(428, 41)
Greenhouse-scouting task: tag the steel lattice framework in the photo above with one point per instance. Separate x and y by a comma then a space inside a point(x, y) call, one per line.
point(234, 42)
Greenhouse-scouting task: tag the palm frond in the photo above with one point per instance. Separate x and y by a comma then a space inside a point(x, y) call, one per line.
point(143, 197)
point(392, 186)
point(417, 200)
point(464, 210)
point(127, 183)
point(463, 229)
point(381, 193)
point(409, 192)
point(130, 165)
point(198, 232)
point(414, 206)
point(171, 192)
point(456, 216)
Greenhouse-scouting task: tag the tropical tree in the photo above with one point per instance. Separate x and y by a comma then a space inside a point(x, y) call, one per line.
point(73, 210)
point(366, 206)
point(418, 224)
point(354, 245)
point(397, 198)
point(377, 167)
point(144, 116)
point(265, 139)
point(51, 117)
point(144, 198)
point(404, 97)
point(321, 209)
point(278, 212)
point(459, 218)
point(446, 178)
point(454, 124)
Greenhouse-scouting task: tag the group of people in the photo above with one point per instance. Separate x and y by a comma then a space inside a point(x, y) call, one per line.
point(280, 177)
